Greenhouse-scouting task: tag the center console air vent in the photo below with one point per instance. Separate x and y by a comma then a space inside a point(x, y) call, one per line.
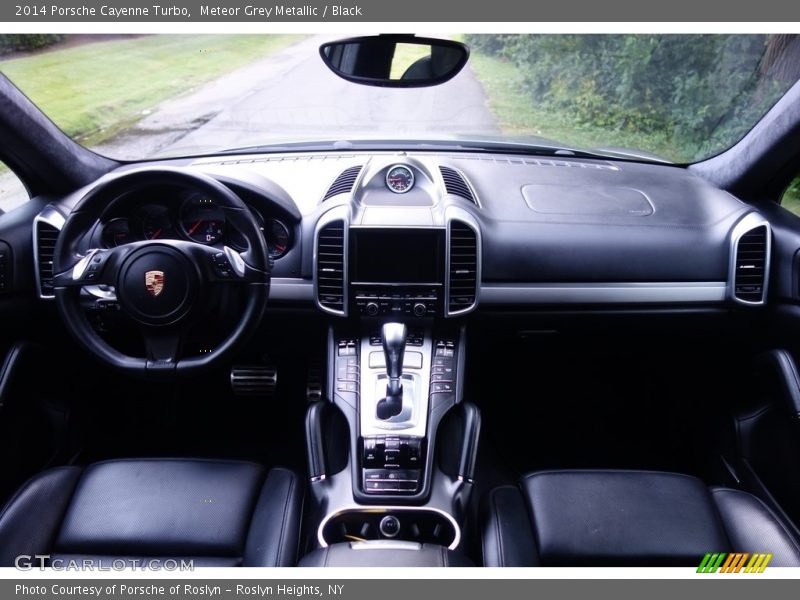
point(46, 227)
point(750, 261)
point(330, 267)
point(344, 183)
point(454, 183)
point(463, 269)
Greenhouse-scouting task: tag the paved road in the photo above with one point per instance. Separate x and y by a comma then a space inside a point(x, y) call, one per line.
point(292, 95)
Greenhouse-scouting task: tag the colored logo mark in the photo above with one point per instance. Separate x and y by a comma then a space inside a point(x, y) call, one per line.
point(737, 562)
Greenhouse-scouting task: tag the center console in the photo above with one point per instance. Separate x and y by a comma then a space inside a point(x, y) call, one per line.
point(395, 384)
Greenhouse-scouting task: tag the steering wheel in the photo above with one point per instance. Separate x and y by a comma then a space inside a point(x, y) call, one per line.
point(160, 285)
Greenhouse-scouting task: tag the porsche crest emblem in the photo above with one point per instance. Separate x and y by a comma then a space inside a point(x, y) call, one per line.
point(154, 282)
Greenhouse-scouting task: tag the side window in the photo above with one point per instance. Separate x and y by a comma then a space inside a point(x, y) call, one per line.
point(791, 197)
point(12, 192)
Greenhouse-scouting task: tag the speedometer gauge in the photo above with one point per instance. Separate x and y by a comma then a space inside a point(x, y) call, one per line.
point(399, 179)
point(202, 220)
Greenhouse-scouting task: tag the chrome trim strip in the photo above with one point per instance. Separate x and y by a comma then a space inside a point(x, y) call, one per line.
point(385, 545)
point(338, 213)
point(81, 266)
point(605, 293)
point(388, 509)
point(454, 213)
point(749, 222)
point(291, 288)
point(50, 216)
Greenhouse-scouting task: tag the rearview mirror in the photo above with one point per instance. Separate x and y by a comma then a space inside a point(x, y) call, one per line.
point(395, 60)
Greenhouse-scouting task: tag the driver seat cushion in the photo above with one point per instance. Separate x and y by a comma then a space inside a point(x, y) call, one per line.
point(217, 513)
point(627, 518)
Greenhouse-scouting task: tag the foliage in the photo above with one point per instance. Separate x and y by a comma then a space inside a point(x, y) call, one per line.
point(791, 197)
point(694, 94)
point(25, 42)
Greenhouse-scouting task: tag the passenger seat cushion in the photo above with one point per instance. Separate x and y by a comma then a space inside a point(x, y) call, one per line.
point(622, 517)
point(627, 518)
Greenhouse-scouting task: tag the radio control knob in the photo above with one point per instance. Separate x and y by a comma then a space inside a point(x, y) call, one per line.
point(420, 309)
point(372, 308)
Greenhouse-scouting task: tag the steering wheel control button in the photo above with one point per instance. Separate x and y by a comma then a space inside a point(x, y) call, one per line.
point(221, 265)
point(157, 286)
point(88, 268)
point(389, 526)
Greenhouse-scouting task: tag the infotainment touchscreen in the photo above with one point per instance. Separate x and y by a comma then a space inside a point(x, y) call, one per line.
point(412, 256)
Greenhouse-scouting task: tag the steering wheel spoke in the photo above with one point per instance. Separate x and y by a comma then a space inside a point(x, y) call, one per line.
point(98, 266)
point(228, 266)
point(163, 346)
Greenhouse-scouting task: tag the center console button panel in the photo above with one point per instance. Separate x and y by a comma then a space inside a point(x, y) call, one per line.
point(392, 464)
point(412, 301)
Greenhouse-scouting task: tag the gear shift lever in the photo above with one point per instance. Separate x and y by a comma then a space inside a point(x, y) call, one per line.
point(393, 336)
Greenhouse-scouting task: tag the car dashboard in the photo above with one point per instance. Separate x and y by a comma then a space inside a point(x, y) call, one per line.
point(459, 232)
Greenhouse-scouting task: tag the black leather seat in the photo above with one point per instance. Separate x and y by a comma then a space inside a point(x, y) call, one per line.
point(627, 518)
point(218, 513)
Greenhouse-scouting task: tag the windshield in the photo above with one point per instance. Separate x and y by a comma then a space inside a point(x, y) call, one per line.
point(678, 97)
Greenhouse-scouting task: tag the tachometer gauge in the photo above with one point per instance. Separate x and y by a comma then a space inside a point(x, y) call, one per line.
point(399, 179)
point(116, 233)
point(202, 220)
point(278, 238)
point(156, 222)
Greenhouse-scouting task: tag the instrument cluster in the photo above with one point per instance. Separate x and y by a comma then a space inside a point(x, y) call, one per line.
point(196, 218)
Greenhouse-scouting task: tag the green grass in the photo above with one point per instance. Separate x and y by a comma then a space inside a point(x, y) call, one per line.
point(516, 114)
point(791, 197)
point(92, 91)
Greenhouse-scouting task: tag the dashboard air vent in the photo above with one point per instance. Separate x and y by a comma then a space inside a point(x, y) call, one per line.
point(752, 252)
point(463, 278)
point(455, 184)
point(46, 237)
point(344, 183)
point(5, 267)
point(330, 267)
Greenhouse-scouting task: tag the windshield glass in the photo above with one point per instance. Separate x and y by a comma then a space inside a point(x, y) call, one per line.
point(678, 97)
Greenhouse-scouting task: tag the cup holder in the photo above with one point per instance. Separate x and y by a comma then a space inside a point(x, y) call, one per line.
point(412, 524)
